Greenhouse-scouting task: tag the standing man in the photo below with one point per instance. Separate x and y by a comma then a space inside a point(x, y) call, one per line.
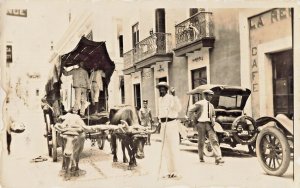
point(146, 117)
point(206, 121)
point(96, 87)
point(80, 85)
point(168, 109)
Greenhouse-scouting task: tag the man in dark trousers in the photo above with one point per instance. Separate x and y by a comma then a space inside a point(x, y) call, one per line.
point(205, 123)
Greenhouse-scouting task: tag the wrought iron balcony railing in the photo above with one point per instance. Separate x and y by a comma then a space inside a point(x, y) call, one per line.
point(157, 43)
point(194, 28)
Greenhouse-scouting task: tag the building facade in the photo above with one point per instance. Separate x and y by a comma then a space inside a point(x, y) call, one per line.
point(267, 65)
point(94, 25)
point(184, 47)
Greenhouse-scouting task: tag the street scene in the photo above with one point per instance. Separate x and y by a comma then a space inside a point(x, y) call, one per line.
point(127, 94)
point(100, 170)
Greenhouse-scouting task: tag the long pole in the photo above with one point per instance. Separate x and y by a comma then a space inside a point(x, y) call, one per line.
point(162, 147)
point(163, 143)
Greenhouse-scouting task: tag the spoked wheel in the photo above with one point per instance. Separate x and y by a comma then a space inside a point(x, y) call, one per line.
point(48, 133)
point(54, 145)
point(273, 151)
point(207, 149)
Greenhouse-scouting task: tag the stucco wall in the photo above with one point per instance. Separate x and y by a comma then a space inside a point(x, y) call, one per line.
point(128, 90)
point(225, 56)
point(148, 88)
point(178, 71)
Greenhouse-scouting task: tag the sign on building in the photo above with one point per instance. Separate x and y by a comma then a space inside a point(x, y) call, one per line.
point(9, 54)
point(17, 12)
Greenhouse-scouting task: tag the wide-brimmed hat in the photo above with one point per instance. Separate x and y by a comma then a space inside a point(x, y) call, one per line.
point(208, 91)
point(162, 84)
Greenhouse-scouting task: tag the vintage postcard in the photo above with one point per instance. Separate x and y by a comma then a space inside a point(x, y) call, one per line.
point(140, 93)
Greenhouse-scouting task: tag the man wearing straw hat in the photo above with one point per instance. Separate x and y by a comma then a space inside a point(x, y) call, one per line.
point(168, 108)
point(205, 125)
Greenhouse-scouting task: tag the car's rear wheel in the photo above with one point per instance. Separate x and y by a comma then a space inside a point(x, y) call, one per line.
point(273, 151)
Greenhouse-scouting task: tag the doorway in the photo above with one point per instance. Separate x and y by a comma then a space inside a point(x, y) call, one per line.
point(283, 85)
point(137, 96)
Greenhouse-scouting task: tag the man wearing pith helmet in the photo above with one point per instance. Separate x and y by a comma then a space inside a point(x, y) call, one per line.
point(205, 123)
point(168, 109)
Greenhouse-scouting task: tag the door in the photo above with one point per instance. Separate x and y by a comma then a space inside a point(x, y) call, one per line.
point(283, 86)
point(199, 77)
point(137, 96)
point(135, 35)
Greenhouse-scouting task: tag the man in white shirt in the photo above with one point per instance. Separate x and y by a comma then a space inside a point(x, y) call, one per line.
point(206, 120)
point(168, 109)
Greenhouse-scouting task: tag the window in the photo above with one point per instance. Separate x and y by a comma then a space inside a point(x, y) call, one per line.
point(160, 20)
point(122, 88)
point(199, 77)
point(9, 58)
point(135, 35)
point(37, 92)
point(194, 11)
point(163, 79)
point(121, 45)
point(137, 96)
point(230, 102)
point(283, 84)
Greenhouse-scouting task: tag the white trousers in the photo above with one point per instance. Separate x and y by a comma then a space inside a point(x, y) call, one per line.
point(170, 140)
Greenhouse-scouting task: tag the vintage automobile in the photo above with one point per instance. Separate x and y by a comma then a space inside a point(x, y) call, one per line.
point(232, 125)
point(275, 143)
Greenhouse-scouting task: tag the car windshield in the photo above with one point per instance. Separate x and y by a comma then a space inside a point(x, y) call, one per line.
point(230, 102)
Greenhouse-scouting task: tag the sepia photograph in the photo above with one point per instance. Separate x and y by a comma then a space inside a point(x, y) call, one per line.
point(143, 94)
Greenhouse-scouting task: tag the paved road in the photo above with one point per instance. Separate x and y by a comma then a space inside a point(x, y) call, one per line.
point(240, 169)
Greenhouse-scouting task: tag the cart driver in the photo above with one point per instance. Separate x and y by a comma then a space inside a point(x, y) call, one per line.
point(80, 85)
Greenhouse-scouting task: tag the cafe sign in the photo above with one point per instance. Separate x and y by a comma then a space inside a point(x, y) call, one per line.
point(17, 12)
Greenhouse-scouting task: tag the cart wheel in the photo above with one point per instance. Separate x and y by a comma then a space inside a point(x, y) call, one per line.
point(49, 147)
point(273, 151)
point(48, 135)
point(54, 145)
point(207, 149)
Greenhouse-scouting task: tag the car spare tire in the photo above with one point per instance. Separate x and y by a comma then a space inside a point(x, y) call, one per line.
point(244, 130)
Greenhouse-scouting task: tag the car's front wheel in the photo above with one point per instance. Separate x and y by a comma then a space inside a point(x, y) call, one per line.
point(273, 151)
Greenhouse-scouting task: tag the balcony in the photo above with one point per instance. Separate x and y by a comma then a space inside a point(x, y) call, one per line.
point(194, 33)
point(152, 49)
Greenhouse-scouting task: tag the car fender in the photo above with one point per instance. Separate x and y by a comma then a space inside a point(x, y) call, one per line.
point(218, 128)
point(281, 121)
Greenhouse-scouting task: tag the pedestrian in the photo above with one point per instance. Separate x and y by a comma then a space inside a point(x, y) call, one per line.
point(80, 85)
point(146, 118)
point(168, 109)
point(96, 87)
point(205, 123)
